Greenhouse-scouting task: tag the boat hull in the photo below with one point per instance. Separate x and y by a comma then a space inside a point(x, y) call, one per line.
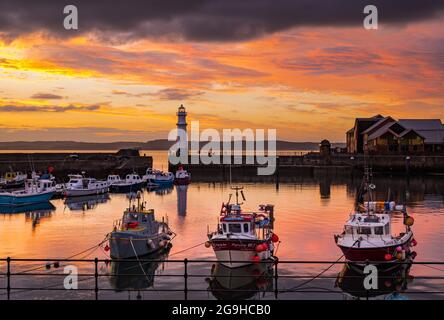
point(23, 200)
point(124, 245)
point(126, 188)
point(12, 185)
point(84, 192)
point(355, 254)
point(236, 253)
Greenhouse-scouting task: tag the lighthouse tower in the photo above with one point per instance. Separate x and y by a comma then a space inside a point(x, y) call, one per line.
point(182, 130)
point(182, 118)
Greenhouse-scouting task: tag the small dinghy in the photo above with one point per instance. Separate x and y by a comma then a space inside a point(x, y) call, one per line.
point(243, 238)
point(131, 183)
point(138, 233)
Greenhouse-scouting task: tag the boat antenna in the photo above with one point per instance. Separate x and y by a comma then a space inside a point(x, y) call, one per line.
point(237, 189)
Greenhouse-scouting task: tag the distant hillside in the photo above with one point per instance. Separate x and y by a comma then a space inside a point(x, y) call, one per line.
point(160, 144)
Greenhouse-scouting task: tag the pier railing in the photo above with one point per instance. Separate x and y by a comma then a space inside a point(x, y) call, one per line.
point(274, 277)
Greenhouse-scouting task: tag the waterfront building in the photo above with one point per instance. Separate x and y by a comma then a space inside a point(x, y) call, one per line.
point(386, 135)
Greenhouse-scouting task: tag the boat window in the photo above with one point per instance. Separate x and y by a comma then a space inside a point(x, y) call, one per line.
point(387, 229)
point(364, 230)
point(224, 227)
point(246, 228)
point(348, 229)
point(235, 227)
point(379, 230)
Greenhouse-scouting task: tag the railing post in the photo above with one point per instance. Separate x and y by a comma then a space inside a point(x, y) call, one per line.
point(8, 275)
point(276, 276)
point(185, 275)
point(96, 275)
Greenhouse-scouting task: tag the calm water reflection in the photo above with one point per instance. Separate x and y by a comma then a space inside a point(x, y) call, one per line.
point(309, 211)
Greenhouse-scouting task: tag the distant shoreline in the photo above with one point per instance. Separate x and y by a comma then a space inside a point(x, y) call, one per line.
point(150, 145)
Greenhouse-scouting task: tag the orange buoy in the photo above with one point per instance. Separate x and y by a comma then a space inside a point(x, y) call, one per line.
point(409, 221)
point(207, 244)
point(388, 257)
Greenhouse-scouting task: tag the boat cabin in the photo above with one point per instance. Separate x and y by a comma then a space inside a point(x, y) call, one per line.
point(368, 225)
point(39, 185)
point(113, 178)
point(237, 224)
point(133, 177)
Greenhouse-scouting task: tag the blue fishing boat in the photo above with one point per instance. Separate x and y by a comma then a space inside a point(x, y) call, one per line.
point(35, 191)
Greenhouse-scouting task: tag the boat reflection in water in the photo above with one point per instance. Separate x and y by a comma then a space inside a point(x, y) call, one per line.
point(160, 190)
point(134, 275)
point(28, 209)
point(84, 203)
point(392, 282)
point(182, 194)
point(240, 283)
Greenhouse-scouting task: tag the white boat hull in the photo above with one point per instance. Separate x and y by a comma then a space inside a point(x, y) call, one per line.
point(239, 258)
point(85, 192)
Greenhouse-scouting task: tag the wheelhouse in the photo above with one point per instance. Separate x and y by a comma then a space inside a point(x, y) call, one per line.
point(368, 225)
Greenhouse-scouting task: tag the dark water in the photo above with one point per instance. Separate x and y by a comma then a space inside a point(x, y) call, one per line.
point(309, 211)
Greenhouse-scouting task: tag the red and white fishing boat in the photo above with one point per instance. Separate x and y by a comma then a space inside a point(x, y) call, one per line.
point(243, 238)
point(182, 177)
point(367, 234)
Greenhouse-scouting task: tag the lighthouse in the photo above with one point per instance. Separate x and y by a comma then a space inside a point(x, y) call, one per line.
point(182, 130)
point(182, 118)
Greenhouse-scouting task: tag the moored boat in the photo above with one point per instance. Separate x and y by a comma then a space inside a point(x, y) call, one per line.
point(367, 234)
point(158, 178)
point(131, 183)
point(35, 191)
point(182, 177)
point(13, 180)
point(243, 238)
point(79, 185)
point(138, 233)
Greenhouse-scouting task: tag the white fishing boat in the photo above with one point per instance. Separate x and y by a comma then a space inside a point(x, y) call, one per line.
point(132, 182)
point(367, 234)
point(35, 191)
point(138, 233)
point(78, 185)
point(243, 238)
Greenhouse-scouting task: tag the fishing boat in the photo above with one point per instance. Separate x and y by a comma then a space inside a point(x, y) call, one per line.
point(35, 191)
point(78, 185)
point(13, 180)
point(132, 182)
point(182, 177)
point(367, 234)
point(243, 238)
point(138, 233)
point(158, 178)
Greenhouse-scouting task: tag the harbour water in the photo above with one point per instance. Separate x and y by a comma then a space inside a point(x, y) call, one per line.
point(308, 213)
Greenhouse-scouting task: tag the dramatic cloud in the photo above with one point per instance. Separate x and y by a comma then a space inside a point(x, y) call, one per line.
point(46, 96)
point(203, 20)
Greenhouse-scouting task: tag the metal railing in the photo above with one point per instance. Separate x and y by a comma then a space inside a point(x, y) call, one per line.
point(273, 277)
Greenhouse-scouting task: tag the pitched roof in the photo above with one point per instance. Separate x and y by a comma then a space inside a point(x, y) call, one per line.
point(377, 124)
point(422, 124)
point(384, 129)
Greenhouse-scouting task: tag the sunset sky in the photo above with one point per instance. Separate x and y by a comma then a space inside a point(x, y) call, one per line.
point(304, 67)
